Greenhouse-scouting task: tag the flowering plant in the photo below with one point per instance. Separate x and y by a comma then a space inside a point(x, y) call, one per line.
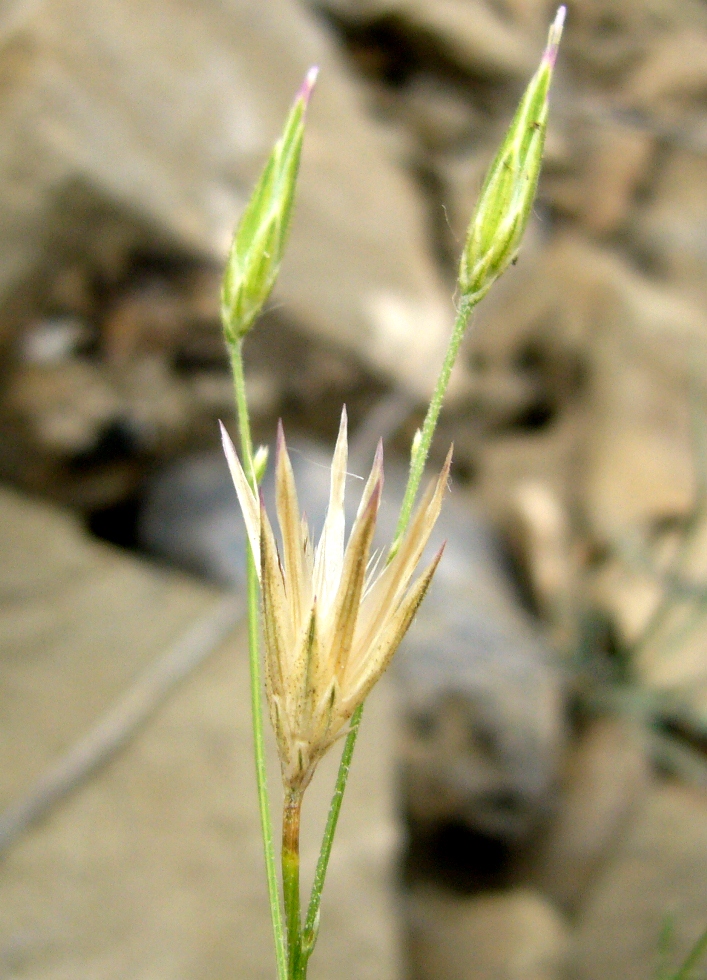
point(330, 624)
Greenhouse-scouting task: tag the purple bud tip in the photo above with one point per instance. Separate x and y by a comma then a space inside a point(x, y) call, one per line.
point(553, 38)
point(308, 84)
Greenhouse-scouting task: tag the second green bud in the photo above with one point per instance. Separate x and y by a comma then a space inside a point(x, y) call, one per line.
point(507, 196)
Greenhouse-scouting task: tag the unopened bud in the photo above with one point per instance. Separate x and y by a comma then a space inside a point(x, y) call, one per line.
point(259, 240)
point(507, 196)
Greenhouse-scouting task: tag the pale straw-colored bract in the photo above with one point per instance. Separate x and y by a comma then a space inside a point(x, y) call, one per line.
point(330, 625)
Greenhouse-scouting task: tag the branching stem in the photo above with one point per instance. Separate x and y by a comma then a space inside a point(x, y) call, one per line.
point(417, 466)
point(421, 451)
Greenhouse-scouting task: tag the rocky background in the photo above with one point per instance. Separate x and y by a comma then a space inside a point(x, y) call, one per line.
point(131, 134)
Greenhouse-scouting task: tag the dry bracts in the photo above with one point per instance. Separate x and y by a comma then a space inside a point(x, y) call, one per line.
point(331, 624)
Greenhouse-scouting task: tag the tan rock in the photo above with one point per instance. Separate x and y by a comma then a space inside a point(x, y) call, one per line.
point(538, 530)
point(658, 875)
point(606, 779)
point(630, 596)
point(514, 935)
point(617, 167)
point(646, 344)
point(474, 35)
point(608, 39)
point(154, 866)
point(669, 229)
point(440, 115)
point(64, 406)
point(672, 75)
point(508, 461)
point(118, 139)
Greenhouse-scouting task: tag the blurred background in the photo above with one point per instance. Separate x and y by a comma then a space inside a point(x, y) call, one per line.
point(528, 800)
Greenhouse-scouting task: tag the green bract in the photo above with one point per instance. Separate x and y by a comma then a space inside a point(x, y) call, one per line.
point(259, 240)
point(507, 196)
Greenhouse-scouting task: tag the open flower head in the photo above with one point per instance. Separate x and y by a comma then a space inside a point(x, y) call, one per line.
point(331, 625)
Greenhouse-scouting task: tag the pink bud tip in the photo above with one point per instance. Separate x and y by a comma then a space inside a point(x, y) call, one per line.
point(553, 38)
point(308, 84)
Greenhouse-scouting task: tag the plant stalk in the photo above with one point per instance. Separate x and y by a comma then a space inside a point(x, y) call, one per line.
point(311, 925)
point(421, 452)
point(692, 960)
point(417, 466)
point(236, 351)
point(291, 811)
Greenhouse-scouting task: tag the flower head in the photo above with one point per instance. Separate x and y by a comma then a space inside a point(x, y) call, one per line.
point(331, 626)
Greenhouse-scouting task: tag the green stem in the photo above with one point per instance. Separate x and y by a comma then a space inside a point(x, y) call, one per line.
point(236, 351)
point(291, 810)
point(421, 452)
point(311, 925)
point(693, 958)
point(417, 466)
point(254, 656)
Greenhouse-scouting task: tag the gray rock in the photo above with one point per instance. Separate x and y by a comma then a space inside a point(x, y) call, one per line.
point(483, 705)
point(136, 126)
point(482, 717)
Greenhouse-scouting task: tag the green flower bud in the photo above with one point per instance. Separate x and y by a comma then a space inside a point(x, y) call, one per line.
point(260, 238)
point(507, 196)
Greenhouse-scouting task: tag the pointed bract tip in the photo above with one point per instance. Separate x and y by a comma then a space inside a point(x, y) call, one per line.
point(308, 84)
point(378, 457)
point(438, 555)
point(377, 492)
point(226, 440)
point(343, 432)
point(448, 459)
point(280, 441)
point(554, 35)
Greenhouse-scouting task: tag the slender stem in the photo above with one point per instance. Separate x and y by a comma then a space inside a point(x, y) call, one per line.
point(255, 695)
point(291, 810)
point(417, 466)
point(311, 926)
point(236, 351)
point(419, 456)
point(693, 958)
